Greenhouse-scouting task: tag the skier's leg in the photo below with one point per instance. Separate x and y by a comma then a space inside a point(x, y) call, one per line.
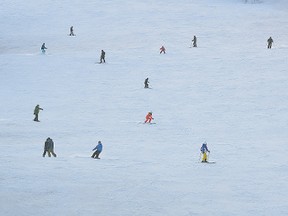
point(36, 117)
point(97, 154)
point(53, 153)
point(204, 158)
point(44, 153)
point(94, 154)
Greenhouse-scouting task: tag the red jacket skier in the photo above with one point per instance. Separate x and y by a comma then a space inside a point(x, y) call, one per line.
point(162, 49)
point(149, 117)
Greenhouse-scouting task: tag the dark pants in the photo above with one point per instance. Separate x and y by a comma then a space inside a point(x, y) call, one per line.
point(49, 153)
point(102, 59)
point(146, 86)
point(36, 117)
point(96, 154)
point(269, 45)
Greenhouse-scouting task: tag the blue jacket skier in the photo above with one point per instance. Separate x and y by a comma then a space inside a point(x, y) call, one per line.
point(204, 149)
point(98, 149)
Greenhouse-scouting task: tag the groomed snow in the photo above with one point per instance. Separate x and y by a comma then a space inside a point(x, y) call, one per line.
point(231, 91)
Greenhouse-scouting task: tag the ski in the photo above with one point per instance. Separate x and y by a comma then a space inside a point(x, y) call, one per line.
point(208, 162)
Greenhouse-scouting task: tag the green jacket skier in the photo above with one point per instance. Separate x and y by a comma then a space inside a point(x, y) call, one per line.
point(36, 112)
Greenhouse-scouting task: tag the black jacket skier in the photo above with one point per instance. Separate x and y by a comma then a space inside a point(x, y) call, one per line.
point(43, 48)
point(71, 31)
point(146, 83)
point(270, 41)
point(194, 41)
point(102, 57)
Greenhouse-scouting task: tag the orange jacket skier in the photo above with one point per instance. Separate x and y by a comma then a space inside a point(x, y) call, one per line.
point(149, 117)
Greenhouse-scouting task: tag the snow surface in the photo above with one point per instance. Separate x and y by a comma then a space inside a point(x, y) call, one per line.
point(230, 91)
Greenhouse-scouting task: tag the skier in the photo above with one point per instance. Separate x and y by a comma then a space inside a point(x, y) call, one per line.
point(162, 49)
point(194, 41)
point(71, 31)
point(149, 117)
point(146, 83)
point(43, 47)
point(49, 147)
point(36, 112)
point(98, 149)
point(270, 41)
point(102, 57)
point(204, 150)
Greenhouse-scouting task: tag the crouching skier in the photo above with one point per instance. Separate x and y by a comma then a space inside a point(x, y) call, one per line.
point(149, 117)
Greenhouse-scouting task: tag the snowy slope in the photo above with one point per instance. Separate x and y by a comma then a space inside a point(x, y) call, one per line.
point(231, 92)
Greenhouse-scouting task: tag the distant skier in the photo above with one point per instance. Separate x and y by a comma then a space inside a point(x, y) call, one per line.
point(146, 83)
point(36, 112)
point(270, 41)
point(43, 48)
point(98, 149)
point(149, 117)
point(102, 57)
point(162, 49)
point(49, 147)
point(194, 41)
point(204, 150)
point(71, 31)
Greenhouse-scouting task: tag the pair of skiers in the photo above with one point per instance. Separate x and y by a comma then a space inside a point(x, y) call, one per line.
point(49, 148)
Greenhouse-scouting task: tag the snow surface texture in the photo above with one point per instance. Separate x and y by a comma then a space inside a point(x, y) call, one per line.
point(231, 91)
